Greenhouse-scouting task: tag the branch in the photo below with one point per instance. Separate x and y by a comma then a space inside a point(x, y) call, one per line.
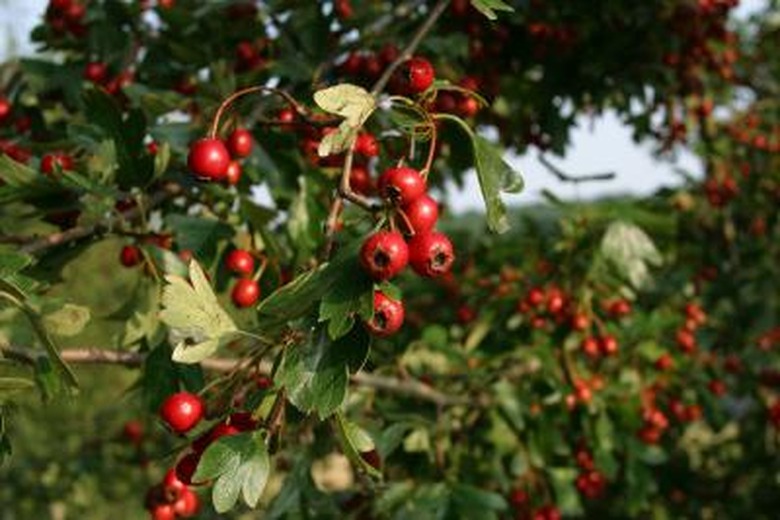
point(36, 246)
point(96, 356)
point(408, 51)
point(575, 179)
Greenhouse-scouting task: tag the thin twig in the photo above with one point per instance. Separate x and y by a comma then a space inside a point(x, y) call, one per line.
point(96, 356)
point(575, 179)
point(36, 246)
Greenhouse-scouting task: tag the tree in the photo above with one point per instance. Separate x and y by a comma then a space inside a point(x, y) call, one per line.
point(339, 350)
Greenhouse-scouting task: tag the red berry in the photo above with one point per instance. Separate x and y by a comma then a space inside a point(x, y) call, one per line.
point(619, 308)
point(163, 512)
point(187, 505)
point(535, 297)
point(95, 71)
point(466, 314)
point(580, 321)
point(608, 345)
point(130, 256)
point(664, 362)
point(360, 180)
point(240, 261)
point(518, 498)
point(401, 185)
point(171, 481)
point(240, 143)
point(5, 109)
point(286, 115)
point(233, 173)
point(388, 315)
point(431, 254)
point(133, 431)
point(686, 341)
point(209, 159)
point(590, 347)
point(50, 162)
point(468, 106)
point(366, 145)
point(384, 254)
point(418, 74)
point(60, 5)
point(388, 54)
point(182, 411)
point(422, 215)
point(245, 293)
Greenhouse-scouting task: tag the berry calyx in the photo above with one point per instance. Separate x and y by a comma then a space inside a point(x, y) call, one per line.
point(245, 293)
point(240, 143)
point(209, 159)
point(240, 261)
point(418, 75)
point(384, 254)
point(388, 315)
point(402, 185)
point(422, 215)
point(130, 256)
point(182, 411)
point(431, 254)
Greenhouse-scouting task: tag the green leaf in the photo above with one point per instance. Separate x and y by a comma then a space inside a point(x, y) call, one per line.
point(12, 261)
point(197, 323)
point(472, 502)
point(631, 251)
point(494, 175)
point(354, 441)
point(489, 7)
point(566, 496)
point(22, 181)
point(199, 235)
point(337, 141)
point(340, 306)
point(240, 465)
point(67, 321)
point(316, 374)
point(298, 298)
point(353, 103)
point(12, 385)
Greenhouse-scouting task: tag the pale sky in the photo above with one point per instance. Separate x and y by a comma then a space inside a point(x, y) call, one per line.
point(600, 145)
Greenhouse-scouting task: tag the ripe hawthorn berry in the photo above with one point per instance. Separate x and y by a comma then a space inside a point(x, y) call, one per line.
point(182, 411)
point(133, 431)
point(418, 75)
point(384, 254)
point(431, 254)
point(608, 345)
point(422, 215)
point(50, 162)
point(5, 109)
point(245, 293)
point(239, 143)
point(130, 256)
point(171, 482)
point(163, 512)
point(187, 505)
point(209, 159)
point(366, 145)
point(95, 71)
point(402, 185)
point(233, 173)
point(388, 315)
point(590, 347)
point(240, 261)
point(360, 180)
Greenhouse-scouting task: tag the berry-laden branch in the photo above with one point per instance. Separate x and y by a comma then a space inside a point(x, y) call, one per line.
point(96, 356)
point(168, 191)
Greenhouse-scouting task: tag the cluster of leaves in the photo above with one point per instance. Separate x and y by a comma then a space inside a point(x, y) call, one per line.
point(485, 405)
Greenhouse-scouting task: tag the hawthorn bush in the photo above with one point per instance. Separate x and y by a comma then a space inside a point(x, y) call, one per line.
point(348, 347)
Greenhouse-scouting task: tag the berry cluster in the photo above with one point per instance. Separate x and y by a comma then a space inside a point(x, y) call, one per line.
point(591, 483)
point(171, 499)
point(386, 253)
point(212, 159)
point(246, 291)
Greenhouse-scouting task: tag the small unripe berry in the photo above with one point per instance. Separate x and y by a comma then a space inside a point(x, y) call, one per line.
point(182, 411)
point(384, 254)
point(245, 293)
point(431, 254)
